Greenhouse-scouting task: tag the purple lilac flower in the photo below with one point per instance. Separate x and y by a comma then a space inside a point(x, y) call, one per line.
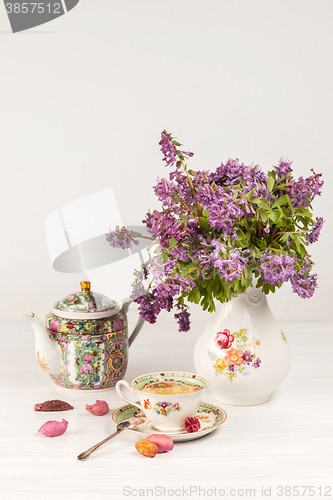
point(164, 226)
point(250, 177)
point(121, 238)
point(247, 357)
point(317, 226)
point(183, 319)
point(276, 269)
point(148, 308)
point(164, 191)
point(138, 285)
point(224, 216)
point(231, 267)
point(157, 270)
point(256, 363)
point(303, 191)
point(304, 283)
point(161, 297)
point(187, 245)
point(169, 149)
point(283, 168)
point(179, 254)
point(224, 211)
point(231, 368)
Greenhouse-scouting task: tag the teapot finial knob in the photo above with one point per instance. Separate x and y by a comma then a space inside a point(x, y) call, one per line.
point(85, 286)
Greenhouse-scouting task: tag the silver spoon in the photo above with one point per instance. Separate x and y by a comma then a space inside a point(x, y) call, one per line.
point(125, 424)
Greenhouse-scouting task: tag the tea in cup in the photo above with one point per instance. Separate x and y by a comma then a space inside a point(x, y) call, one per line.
point(167, 398)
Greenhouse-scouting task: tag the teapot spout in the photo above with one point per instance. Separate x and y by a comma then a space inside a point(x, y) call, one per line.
point(48, 352)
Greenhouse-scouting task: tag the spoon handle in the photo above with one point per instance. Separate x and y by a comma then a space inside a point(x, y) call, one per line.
point(84, 455)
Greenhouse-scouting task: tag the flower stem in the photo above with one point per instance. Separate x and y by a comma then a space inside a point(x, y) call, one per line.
point(292, 232)
point(191, 184)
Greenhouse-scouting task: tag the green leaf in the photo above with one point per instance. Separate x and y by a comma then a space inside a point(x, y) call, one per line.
point(150, 246)
point(284, 237)
point(304, 212)
point(284, 200)
point(273, 216)
point(282, 179)
point(206, 213)
point(194, 295)
point(302, 250)
point(203, 223)
point(271, 181)
point(289, 203)
point(184, 219)
point(263, 215)
point(298, 244)
point(172, 242)
point(261, 203)
point(283, 186)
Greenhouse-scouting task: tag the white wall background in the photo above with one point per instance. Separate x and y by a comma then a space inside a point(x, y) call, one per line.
point(83, 101)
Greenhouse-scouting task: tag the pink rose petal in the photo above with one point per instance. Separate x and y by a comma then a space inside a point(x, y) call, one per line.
point(53, 428)
point(99, 408)
point(163, 442)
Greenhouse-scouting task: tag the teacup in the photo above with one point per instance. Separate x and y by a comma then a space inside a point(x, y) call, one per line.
point(167, 398)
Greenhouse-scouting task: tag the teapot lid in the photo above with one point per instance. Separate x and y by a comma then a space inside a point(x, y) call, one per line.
point(85, 305)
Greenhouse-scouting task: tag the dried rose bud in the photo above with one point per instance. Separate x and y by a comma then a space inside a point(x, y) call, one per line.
point(99, 408)
point(162, 441)
point(53, 405)
point(52, 428)
point(192, 424)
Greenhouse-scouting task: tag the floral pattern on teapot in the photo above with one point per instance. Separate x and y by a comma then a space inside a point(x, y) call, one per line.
point(94, 352)
point(86, 302)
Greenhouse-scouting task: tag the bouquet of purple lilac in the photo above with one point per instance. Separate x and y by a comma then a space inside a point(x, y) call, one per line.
point(218, 230)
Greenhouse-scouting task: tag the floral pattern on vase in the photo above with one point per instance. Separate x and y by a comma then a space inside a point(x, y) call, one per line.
point(259, 357)
point(239, 358)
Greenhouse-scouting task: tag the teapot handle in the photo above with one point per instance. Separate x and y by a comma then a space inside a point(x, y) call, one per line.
point(139, 324)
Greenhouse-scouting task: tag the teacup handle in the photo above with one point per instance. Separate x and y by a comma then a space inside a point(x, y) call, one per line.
point(126, 384)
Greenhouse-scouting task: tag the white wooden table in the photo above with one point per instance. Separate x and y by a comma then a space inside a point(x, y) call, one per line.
point(281, 449)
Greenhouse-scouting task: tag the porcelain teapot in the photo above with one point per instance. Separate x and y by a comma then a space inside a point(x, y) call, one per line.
point(85, 345)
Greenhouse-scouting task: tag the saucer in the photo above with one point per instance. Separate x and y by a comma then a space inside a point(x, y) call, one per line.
point(210, 418)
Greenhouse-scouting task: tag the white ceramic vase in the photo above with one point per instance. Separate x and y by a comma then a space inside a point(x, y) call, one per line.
point(242, 351)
